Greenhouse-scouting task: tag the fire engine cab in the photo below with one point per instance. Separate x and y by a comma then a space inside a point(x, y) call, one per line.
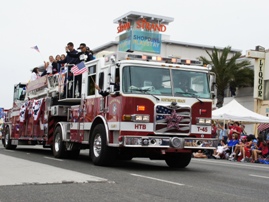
point(149, 106)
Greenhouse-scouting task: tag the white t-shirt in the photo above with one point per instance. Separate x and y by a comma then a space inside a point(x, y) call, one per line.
point(33, 76)
point(49, 68)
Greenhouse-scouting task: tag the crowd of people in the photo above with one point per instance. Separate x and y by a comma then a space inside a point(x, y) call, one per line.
point(236, 145)
point(58, 63)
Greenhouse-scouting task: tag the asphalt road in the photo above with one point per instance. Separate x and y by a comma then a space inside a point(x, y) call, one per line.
point(32, 174)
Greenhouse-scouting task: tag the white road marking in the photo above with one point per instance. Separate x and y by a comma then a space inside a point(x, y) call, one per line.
point(259, 176)
point(53, 158)
point(160, 180)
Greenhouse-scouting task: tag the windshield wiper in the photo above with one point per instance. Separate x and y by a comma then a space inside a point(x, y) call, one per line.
point(145, 91)
point(192, 94)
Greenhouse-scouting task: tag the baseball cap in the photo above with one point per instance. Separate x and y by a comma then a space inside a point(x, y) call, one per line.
point(82, 45)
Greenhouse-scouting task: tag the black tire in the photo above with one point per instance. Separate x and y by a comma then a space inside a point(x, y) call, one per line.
point(59, 149)
point(7, 141)
point(178, 160)
point(101, 154)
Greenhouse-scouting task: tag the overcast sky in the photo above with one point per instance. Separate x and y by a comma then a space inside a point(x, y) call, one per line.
point(51, 24)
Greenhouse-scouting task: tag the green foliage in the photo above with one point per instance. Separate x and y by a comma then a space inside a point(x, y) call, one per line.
point(229, 70)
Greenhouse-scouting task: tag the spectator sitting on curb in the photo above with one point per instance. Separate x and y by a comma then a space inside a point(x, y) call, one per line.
point(219, 151)
point(247, 147)
point(237, 150)
point(261, 149)
point(200, 154)
point(232, 143)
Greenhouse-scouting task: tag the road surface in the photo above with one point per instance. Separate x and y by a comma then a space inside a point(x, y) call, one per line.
point(33, 174)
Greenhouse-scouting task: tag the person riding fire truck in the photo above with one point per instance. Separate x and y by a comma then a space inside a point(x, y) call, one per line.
point(150, 114)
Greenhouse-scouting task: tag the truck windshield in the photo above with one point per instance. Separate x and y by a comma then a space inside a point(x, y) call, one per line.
point(165, 82)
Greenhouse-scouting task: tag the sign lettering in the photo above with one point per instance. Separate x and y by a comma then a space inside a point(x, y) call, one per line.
point(141, 126)
point(123, 26)
point(258, 88)
point(142, 24)
point(204, 129)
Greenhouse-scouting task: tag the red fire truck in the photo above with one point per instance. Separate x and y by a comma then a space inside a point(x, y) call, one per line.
point(154, 107)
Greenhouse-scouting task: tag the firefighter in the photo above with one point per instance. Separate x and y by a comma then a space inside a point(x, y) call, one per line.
point(83, 56)
point(106, 93)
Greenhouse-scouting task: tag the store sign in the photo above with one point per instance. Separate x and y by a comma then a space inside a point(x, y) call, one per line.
point(142, 24)
point(125, 41)
point(146, 41)
point(259, 79)
point(142, 41)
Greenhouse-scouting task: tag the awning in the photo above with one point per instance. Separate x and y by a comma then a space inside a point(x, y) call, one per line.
point(263, 126)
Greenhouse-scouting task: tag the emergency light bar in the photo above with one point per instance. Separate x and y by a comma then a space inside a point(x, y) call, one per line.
point(162, 59)
point(155, 58)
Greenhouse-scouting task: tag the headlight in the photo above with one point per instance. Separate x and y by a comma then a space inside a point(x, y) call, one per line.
point(203, 121)
point(140, 118)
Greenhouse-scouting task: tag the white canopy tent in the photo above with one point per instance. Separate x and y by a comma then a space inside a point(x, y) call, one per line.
point(236, 112)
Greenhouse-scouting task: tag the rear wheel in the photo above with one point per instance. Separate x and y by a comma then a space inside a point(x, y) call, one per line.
point(7, 141)
point(178, 160)
point(59, 149)
point(101, 154)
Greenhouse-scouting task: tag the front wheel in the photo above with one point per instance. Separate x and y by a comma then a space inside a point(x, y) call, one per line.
point(178, 160)
point(59, 149)
point(7, 141)
point(101, 154)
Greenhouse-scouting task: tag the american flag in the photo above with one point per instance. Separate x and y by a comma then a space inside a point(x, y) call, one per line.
point(162, 112)
point(2, 113)
point(36, 48)
point(79, 69)
point(263, 126)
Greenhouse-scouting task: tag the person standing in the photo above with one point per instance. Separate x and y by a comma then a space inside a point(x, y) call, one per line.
point(69, 60)
point(213, 130)
point(83, 56)
point(222, 131)
point(35, 74)
point(234, 128)
point(50, 67)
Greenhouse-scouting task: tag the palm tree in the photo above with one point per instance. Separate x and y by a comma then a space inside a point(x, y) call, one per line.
point(229, 71)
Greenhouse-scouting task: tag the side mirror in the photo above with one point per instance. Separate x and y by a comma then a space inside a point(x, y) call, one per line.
point(212, 83)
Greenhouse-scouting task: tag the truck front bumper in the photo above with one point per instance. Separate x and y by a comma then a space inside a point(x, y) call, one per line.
point(169, 142)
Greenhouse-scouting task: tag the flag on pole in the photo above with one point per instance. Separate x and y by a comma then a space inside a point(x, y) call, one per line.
point(79, 69)
point(36, 48)
point(2, 113)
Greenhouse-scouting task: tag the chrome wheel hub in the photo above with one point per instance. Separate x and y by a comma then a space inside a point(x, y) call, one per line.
point(57, 143)
point(97, 145)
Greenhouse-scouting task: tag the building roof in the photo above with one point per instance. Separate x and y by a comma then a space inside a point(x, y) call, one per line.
point(172, 42)
point(196, 45)
point(134, 15)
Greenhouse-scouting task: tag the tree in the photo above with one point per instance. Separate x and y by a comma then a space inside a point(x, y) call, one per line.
point(230, 72)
